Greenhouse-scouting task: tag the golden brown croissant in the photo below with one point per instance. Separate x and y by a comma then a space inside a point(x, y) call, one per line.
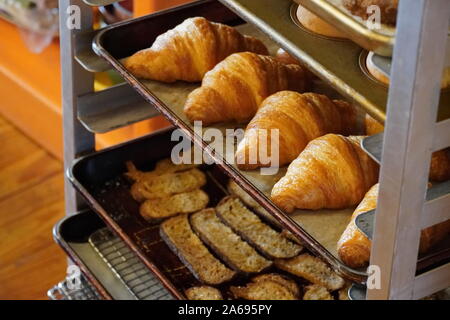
point(235, 88)
point(440, 165)
point(440, 160)
point(190, 50)
point(299, 118)
point(332, 172)
point(354, 246)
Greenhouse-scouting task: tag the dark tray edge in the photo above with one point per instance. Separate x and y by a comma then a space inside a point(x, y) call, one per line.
point(59, 239)
point(114, 226)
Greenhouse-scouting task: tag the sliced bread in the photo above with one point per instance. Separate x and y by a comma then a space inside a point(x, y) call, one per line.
point(247, 224)
point(282, 280)
point(312, 269)
point(263, 290)
point(161, 208)
point(168, 184)
point(235, 190)
point(316, 292)
point(162, 166)
point(203, 293)
point(237, 253)
point(178, 235)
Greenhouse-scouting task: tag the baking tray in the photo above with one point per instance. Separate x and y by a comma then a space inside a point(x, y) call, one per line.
point(72, 234)
point(380, 41)
point(319, 230)
point(100, 179)
point(108, 263)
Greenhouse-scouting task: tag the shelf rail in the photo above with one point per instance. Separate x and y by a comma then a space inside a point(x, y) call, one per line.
point(410, 130)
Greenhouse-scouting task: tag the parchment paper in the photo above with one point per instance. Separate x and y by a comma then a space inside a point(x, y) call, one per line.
point(326, 226)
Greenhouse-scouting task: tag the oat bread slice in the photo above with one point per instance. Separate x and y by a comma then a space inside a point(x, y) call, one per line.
point(162, 166)
point(247, 224)
point(178, 235)
point(263, 290)
point(203, 293)
point(168, 184)
point(237, 253)
point(235, 190)
point(282, 280)
point(312, 269)
point(188, 202)
point(317, 292)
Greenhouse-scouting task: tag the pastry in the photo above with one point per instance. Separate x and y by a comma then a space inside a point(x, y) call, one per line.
point(189, 51)
point(354, 246)
point(299, 118)
point(235, 88)
point(332, 172)
point(317, 25)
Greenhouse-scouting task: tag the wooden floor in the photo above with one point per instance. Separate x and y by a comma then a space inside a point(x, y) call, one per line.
point(31, 202)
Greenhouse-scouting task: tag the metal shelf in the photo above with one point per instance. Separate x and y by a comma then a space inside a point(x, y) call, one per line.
point(84, 54)
point(373, 146)
point(424, 284)
point(338, 64)
point(113, 108)
point(437, 200)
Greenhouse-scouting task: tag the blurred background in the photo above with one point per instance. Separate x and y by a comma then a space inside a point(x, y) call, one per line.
point(31, 169)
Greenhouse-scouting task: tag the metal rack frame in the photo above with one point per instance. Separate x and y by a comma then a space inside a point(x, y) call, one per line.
point(411, 135)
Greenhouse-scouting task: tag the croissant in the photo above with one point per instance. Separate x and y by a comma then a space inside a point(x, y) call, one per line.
point(354, 247)
point(190, 50)
point(299, 118)
point(332, 172)
point(440, 160)
point(235, 88)
point(440, 165)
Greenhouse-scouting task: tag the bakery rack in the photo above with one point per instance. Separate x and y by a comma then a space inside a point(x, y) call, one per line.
point(409, 108)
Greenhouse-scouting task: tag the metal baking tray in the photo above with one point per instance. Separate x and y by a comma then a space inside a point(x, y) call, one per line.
point(320, 230)
point(380, 41)
point(100, 179)
point(109, 266)
point(72, 234)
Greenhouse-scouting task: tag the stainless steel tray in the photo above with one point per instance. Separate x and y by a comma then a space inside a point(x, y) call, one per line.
point(109, 267)
point(319, 230)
